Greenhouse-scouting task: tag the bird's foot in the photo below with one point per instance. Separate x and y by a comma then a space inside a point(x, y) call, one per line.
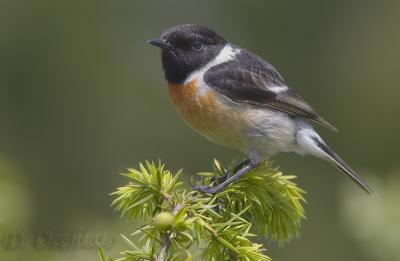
point(207, 189)
point(227, 178)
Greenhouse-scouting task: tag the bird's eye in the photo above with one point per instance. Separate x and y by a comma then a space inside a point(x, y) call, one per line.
point(197, 45)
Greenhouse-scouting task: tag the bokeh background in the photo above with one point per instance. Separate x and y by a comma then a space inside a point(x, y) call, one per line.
point(82, 98)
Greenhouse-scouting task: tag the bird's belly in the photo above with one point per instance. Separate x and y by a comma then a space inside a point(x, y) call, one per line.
point(231, 124)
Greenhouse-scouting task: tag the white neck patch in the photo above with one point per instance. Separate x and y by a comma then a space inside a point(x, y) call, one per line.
point(226, 54)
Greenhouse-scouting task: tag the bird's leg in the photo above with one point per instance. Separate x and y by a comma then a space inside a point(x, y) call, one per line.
point(228, 172)
point(238, 174)
point(227, 175)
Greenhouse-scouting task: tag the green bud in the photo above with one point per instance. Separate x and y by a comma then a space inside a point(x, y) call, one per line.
point(163, 221)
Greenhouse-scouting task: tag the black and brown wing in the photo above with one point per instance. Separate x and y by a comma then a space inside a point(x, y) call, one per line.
point(249, 79)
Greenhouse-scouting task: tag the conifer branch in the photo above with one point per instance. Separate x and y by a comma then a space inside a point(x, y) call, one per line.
point(166, 242)
point(188, 223)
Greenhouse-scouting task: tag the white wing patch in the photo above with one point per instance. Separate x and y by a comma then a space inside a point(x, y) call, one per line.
point(278, 89)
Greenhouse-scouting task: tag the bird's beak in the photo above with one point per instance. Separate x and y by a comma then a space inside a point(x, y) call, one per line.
point(163, 44)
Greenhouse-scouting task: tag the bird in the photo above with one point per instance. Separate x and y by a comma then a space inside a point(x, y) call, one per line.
point(235, 98)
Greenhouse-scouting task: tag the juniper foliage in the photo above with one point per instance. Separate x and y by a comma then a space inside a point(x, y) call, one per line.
point(183, 224)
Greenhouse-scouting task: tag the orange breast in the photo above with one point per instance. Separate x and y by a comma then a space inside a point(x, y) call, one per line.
point(206, 113)
point(198, 110)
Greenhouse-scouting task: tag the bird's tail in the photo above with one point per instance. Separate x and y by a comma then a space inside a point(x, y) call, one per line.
point(312, 143)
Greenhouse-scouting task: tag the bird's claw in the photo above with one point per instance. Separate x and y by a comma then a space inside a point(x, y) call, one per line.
point(206, 189)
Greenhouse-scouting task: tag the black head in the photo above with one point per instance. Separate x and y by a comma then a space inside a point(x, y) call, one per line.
point(186, 48)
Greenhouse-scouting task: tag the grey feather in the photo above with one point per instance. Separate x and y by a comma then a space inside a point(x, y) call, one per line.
point(250, 79)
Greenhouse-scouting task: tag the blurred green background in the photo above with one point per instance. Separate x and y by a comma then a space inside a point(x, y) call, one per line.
point(82, 98)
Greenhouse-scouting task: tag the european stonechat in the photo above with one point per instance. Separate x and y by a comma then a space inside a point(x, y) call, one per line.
point(236, 99)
